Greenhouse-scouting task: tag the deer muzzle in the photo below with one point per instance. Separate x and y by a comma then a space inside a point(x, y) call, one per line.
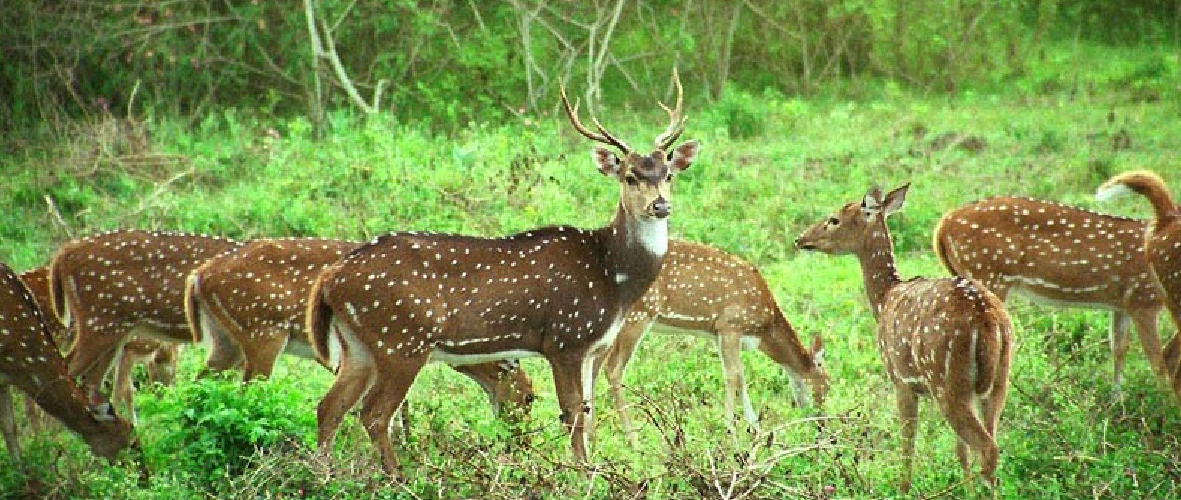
point(660, 208)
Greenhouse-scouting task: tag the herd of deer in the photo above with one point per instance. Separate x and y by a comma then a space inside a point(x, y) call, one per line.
point(375, 313)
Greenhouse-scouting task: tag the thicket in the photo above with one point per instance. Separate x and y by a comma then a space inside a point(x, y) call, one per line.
point(449, 62)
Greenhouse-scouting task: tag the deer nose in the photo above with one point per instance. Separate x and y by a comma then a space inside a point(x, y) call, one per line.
point(660, 208)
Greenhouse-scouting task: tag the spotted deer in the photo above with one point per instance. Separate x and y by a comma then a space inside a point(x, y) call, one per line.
point(248, 306)
point(158, 357)
point(382, 312)
point(1060, 255)
point(704, 291)
point(30, 360)
point(949, 338)
point(115, 284)
point(1162, 244)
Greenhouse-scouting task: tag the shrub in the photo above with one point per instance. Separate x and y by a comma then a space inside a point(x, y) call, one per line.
point(212, 427)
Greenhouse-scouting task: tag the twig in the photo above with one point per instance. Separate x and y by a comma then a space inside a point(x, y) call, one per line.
point(57, 216)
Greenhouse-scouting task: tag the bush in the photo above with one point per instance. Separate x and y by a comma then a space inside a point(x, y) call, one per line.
point(212, 427)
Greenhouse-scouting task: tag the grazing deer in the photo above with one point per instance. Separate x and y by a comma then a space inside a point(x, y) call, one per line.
point(381, 313)
point(249, 306)
point(159, 357)
point(30, 360)
point(949, 338)
point(1162, 249)
point(115, 284)
point(1061, 255)
point(704, 291)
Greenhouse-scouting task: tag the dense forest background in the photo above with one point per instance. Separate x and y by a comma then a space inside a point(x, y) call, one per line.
point(449, 62)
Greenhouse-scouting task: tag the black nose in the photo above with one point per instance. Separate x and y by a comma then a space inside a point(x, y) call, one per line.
point(660, 208)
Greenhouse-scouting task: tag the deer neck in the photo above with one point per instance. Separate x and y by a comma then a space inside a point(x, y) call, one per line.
point(877, 266)
point(634, 252)
point(783, 346)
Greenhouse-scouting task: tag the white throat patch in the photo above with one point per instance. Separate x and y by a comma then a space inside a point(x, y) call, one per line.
point(653, 235)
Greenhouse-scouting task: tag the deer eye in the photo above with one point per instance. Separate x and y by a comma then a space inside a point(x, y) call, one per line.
point(833, 221)
point(631, 180)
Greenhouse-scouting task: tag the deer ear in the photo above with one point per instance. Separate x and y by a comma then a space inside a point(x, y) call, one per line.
point(894, 199)
point(871, 204)
point(872, 199)
point(103, 412)
point(684, 156)
point(606, 160)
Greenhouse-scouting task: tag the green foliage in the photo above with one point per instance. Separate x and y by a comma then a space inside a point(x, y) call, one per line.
point(211, 427)
point(740, 113)
point(772, 164)
point(448, 62)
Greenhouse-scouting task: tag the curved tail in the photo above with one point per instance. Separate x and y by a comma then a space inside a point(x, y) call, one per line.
point(994, 344)
point(1142, 182)
point(57, 290)
point(193, 305)
point(319, 321)
point(939, 244)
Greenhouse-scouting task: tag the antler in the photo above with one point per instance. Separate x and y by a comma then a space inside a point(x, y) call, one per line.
point(676, 121)
point(603, 136)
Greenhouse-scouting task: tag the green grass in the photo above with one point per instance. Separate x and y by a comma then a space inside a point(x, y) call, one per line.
point(769, 168)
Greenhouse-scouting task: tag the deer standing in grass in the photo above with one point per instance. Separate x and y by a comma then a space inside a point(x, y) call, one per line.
point(1061, 255)
point(249, 305)
point(704, 291)
point(115, 284)
point(381, 313)
point(1162, 245)
point(158, 357)
point(30, 360)
point(949, 338)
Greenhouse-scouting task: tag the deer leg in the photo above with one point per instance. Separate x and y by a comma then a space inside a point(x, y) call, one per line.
point(123, 387)
point(958, 409)
point(1120, 322)
point(615, 362)
point(1146, 321)
point(8, 423)
point(92, 355)
point(34, 415)
point(352, 381)
point(265, 350)
point(730, 351)
point(570, 373)
point(383, 400)
point(908, 415)
point(1171, 360)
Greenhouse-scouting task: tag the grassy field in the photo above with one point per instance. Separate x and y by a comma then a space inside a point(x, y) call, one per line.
point(770, 167)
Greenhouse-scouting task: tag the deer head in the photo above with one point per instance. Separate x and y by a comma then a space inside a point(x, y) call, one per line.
point(645, 178)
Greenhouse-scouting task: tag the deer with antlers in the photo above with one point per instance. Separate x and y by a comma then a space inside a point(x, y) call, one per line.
point(115, 284)
point(247, 306)
point(382, 312)
point(704, 291)
point(30, 360)
point(1060, 255)
point(158, 357)
point(1162, 249)
point(949, 338)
